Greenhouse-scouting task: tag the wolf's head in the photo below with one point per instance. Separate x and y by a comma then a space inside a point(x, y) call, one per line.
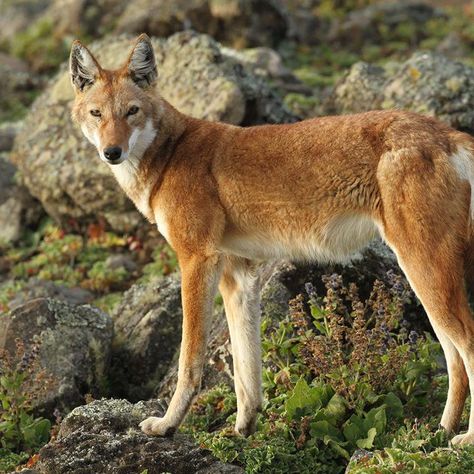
point(116, 109)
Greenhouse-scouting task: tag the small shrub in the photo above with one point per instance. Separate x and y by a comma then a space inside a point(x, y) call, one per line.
point(21, 383)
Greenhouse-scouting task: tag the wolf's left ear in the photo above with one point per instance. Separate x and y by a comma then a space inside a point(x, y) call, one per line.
point(83, 67)
point(141, 63)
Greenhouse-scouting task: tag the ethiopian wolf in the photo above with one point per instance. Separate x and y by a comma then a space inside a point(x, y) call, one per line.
point(228, 197)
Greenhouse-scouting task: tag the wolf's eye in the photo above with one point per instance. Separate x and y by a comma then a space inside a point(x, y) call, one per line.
point(95, 113)
point(132, 110)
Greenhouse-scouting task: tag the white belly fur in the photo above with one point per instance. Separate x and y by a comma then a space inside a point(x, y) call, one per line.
point(337, 241)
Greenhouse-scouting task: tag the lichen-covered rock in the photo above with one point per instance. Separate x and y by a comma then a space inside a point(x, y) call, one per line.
point(432, 84)
point(359, 455)
point(8, 132)
point(37, 288)
point(147, 335)
point(18, 209)
point(62, 169)
point(304, 26)
point(241, 23)
point(103, 438)
point(163, 18)
point(74, 348)
point(358, 91)
point(267, 63)
point(16, 83)
point(374, 23)
point(427, 83)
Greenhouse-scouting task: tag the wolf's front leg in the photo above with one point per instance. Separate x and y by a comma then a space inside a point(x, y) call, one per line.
point(200, 276)
point(240, 289)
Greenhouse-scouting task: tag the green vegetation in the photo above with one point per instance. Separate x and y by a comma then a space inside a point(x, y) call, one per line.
point(345, 375)
point(163, 263)
point(75, 260)
point(41, 47)
point(21, 382)
point(320, 66)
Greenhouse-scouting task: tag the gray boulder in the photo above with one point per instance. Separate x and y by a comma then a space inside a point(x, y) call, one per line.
point(74, 347)
point(381, 20)
point(103, 438)
point(16, 16)
point(8, 132)
point(62, 169)
point(147, 334)
point(18, 209)
point(358, 91)
point(240, 23)
point(37, 288)
point(427, 83)
point(16, 83)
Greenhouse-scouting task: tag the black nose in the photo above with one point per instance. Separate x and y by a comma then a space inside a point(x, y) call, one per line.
point(113, 153)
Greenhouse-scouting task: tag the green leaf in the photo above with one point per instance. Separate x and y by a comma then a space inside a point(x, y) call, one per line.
point(354, 429)
point(322, 429)
point(317, 312)
point(376, 418)
point(394, 406)
point(334, 412)
point(306, 399)
point(367, 443)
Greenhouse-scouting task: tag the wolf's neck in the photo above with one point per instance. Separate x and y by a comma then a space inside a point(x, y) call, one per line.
point(140, 173)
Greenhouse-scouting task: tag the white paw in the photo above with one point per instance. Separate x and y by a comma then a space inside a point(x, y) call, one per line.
point(463, 439)
point(154, 426)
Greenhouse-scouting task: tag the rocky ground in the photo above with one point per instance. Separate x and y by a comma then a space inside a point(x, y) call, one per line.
point(90, 309)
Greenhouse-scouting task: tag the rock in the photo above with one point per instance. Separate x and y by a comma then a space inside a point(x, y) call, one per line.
point(374, 23)
point(74, 348)
point(247, 23)
point(163, 18)
point(147, 335)
point(18, 209)
point(240, 23)
point(453, 46)
point(114, 262)
point(359, 455)
point(103, 437)
point(358, 91)
point(432, 84)
point(91, 18)
point(17, 16)
point(427, 83)
point(36, 288)
point(304, 26)
point(16, 84)
point(62, 169)
point(8, 132)
point(267, 63)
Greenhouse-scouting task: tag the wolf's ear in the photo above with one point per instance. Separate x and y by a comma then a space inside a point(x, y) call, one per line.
point(83, 67)
point(141, 63)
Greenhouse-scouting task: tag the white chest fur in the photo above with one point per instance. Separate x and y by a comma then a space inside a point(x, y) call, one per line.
point(161, 223)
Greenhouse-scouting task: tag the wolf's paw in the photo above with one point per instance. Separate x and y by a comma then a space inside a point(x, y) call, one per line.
point(154, 426)
point(463, 439)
